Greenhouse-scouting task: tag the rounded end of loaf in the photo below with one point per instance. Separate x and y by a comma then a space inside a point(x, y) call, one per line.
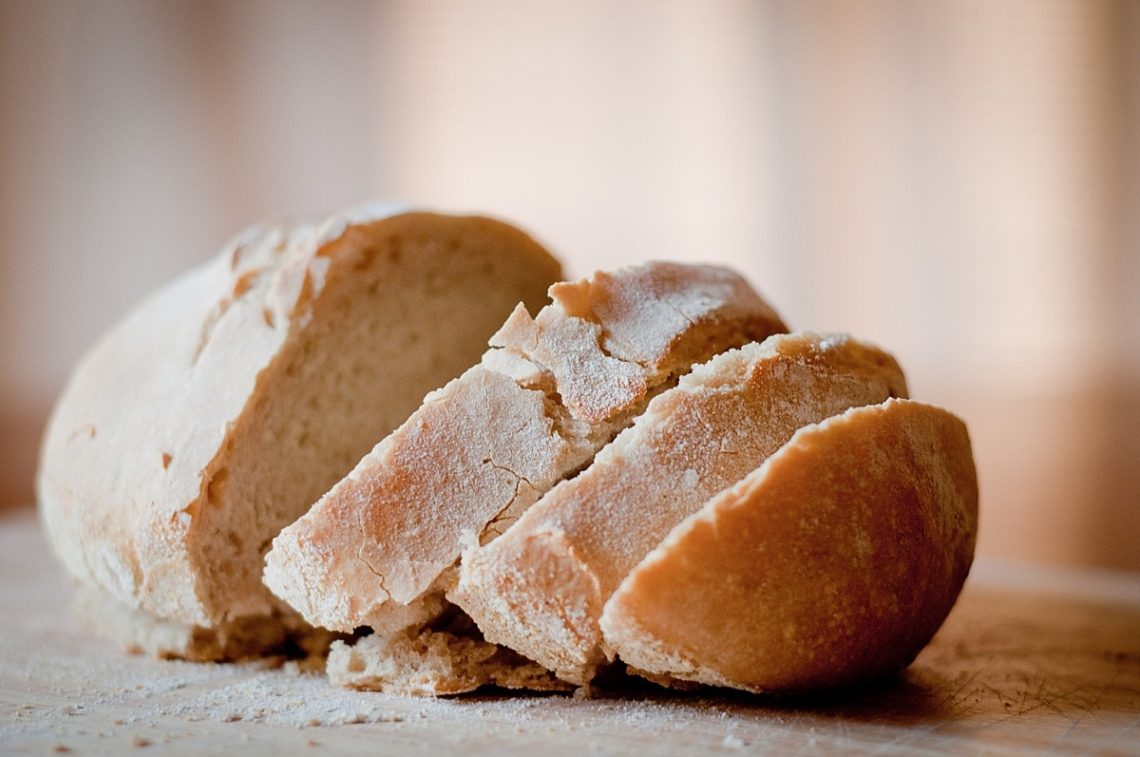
point(832, 564)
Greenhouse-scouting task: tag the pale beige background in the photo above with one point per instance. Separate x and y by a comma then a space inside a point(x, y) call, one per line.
point(958, 181)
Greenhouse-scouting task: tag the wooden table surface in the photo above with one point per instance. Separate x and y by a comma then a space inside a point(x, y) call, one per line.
point(1030, 660)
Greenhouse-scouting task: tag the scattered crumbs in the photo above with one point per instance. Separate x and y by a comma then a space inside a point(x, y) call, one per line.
point(312, 742)
point(138, 742)
point(731, 741)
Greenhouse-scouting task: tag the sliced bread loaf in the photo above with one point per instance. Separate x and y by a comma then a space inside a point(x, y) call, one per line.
point(219, 409)
point(833, 563)
point(377, 550)
point(540, 588)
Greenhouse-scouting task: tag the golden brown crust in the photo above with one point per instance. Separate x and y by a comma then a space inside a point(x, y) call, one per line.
point(552, 391)
point(722, 421)
point(138, 468)
point(833, 563)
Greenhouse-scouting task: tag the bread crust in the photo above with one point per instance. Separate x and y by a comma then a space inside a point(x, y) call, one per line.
point(550, 392)
point(833, 563)
point(137, 448)
point(540, 588)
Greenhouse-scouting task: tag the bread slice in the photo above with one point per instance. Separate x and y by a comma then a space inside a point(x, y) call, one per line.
point(540, 588)
point(219, 409)
point(833, 563)
point(549, 393)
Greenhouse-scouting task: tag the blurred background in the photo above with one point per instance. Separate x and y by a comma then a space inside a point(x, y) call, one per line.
point(957, 180)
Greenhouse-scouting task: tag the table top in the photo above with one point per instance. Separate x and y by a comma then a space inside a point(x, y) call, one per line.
point(1030, 659)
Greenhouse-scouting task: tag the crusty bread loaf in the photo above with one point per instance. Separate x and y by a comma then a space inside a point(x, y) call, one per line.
point(550, 392)
point(833, 563)
point(218, 410)
point(540, 587)
point(774, 520)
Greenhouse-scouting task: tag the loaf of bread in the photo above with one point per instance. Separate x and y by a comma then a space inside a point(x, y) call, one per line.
point(224, 405)
point(648, 472)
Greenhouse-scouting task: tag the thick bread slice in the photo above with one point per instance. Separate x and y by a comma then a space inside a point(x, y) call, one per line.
point(540, 588)
point(833, 563)
point(218, 410)
point(548, 394)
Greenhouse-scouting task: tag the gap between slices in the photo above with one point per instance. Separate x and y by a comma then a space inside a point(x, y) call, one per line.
point(540, 588)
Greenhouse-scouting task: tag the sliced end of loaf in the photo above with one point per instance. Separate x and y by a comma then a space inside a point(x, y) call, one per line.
point(833, 563)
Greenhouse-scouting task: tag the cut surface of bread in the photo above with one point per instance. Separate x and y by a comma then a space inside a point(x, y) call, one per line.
point(541, 586)
point(549, 393)
point(220, 408)
point(833, 563)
